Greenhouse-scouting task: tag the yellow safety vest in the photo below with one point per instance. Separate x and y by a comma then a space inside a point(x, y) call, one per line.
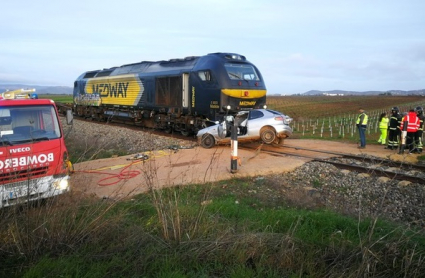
point(365, 118)
point(384, 123)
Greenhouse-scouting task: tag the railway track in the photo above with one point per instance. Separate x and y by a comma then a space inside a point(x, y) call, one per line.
point(132, 126)
point(360, 163)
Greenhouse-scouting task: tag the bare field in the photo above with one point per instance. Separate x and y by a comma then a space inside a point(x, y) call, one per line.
point(334, 117)
point(313, 107)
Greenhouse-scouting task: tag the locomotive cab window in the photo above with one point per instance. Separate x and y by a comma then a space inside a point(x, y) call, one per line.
point(205, 75)
point(241, 72)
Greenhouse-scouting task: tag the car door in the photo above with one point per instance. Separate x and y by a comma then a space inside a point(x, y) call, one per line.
point(255, 123)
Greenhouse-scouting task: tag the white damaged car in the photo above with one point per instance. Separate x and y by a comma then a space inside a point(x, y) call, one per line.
point(266, 125)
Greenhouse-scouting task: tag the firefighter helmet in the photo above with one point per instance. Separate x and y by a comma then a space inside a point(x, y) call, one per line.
point(395, 109)
point(419, 110)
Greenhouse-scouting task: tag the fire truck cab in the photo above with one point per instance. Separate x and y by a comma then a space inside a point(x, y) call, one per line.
point(34, 162)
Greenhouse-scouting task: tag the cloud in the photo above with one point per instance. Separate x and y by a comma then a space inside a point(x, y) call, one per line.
point(297, 46)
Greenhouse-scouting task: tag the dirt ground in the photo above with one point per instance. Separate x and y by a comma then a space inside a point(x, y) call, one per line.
point(121, 177)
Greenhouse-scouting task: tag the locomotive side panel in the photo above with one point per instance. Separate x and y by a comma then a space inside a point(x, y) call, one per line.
point(168, 92)
point(116, 90)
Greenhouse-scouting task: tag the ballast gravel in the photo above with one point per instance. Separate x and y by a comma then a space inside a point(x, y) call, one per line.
point(356, 194)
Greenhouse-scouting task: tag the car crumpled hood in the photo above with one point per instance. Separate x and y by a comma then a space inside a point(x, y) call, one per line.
point(211, 129)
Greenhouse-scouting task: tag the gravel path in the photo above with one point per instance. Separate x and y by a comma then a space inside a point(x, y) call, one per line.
point(313, 185)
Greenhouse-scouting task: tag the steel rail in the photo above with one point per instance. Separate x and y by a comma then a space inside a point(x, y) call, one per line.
point(351, 167)
point(382, 161)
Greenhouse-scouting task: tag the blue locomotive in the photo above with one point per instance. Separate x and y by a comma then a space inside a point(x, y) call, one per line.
point(175, 95)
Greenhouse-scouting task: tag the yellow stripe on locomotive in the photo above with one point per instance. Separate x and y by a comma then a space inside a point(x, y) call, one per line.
point(244, 94)
point(116, 90)
point(248, 98)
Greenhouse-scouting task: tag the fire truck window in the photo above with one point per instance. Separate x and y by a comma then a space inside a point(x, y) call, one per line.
point(23, 130)
point(22, 117)
point(5, 118)
point(5, 121)
point(35, 122)
point(4, 113)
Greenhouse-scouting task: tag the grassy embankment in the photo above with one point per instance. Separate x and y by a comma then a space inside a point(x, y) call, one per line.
point(235, 228)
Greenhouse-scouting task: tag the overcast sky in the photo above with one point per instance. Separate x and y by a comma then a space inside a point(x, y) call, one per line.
point(353, 45)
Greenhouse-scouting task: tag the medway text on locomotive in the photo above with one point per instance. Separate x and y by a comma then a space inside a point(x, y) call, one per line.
point(180, 95)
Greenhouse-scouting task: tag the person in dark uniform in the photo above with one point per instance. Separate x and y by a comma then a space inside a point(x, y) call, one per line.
point(394, 129)
point(419, 134)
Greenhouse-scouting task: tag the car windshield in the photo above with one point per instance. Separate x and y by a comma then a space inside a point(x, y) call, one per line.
point(23, 124)
point(241, 72)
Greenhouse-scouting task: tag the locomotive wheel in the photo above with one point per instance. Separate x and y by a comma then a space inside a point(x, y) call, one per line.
point(185, 133)
point(268, 135)
point(168, 130)
point(207, 141)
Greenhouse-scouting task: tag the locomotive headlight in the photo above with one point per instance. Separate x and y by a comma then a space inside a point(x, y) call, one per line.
point(228, 107)
point(265, 106)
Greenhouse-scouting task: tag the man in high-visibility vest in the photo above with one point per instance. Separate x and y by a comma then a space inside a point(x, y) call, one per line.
point(409, 126)
point(361, 124)
point(419, 134)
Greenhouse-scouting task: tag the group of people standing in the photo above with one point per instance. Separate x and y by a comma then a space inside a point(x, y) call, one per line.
point(404, 132)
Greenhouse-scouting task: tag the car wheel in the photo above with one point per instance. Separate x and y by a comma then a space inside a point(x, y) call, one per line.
point(207, 141)
point(268, 135)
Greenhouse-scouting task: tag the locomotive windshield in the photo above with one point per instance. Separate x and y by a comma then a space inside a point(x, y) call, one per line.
point(241, 72)
point(23, 124)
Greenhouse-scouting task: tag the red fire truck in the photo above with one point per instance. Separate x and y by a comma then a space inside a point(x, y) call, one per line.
point(34, 161)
